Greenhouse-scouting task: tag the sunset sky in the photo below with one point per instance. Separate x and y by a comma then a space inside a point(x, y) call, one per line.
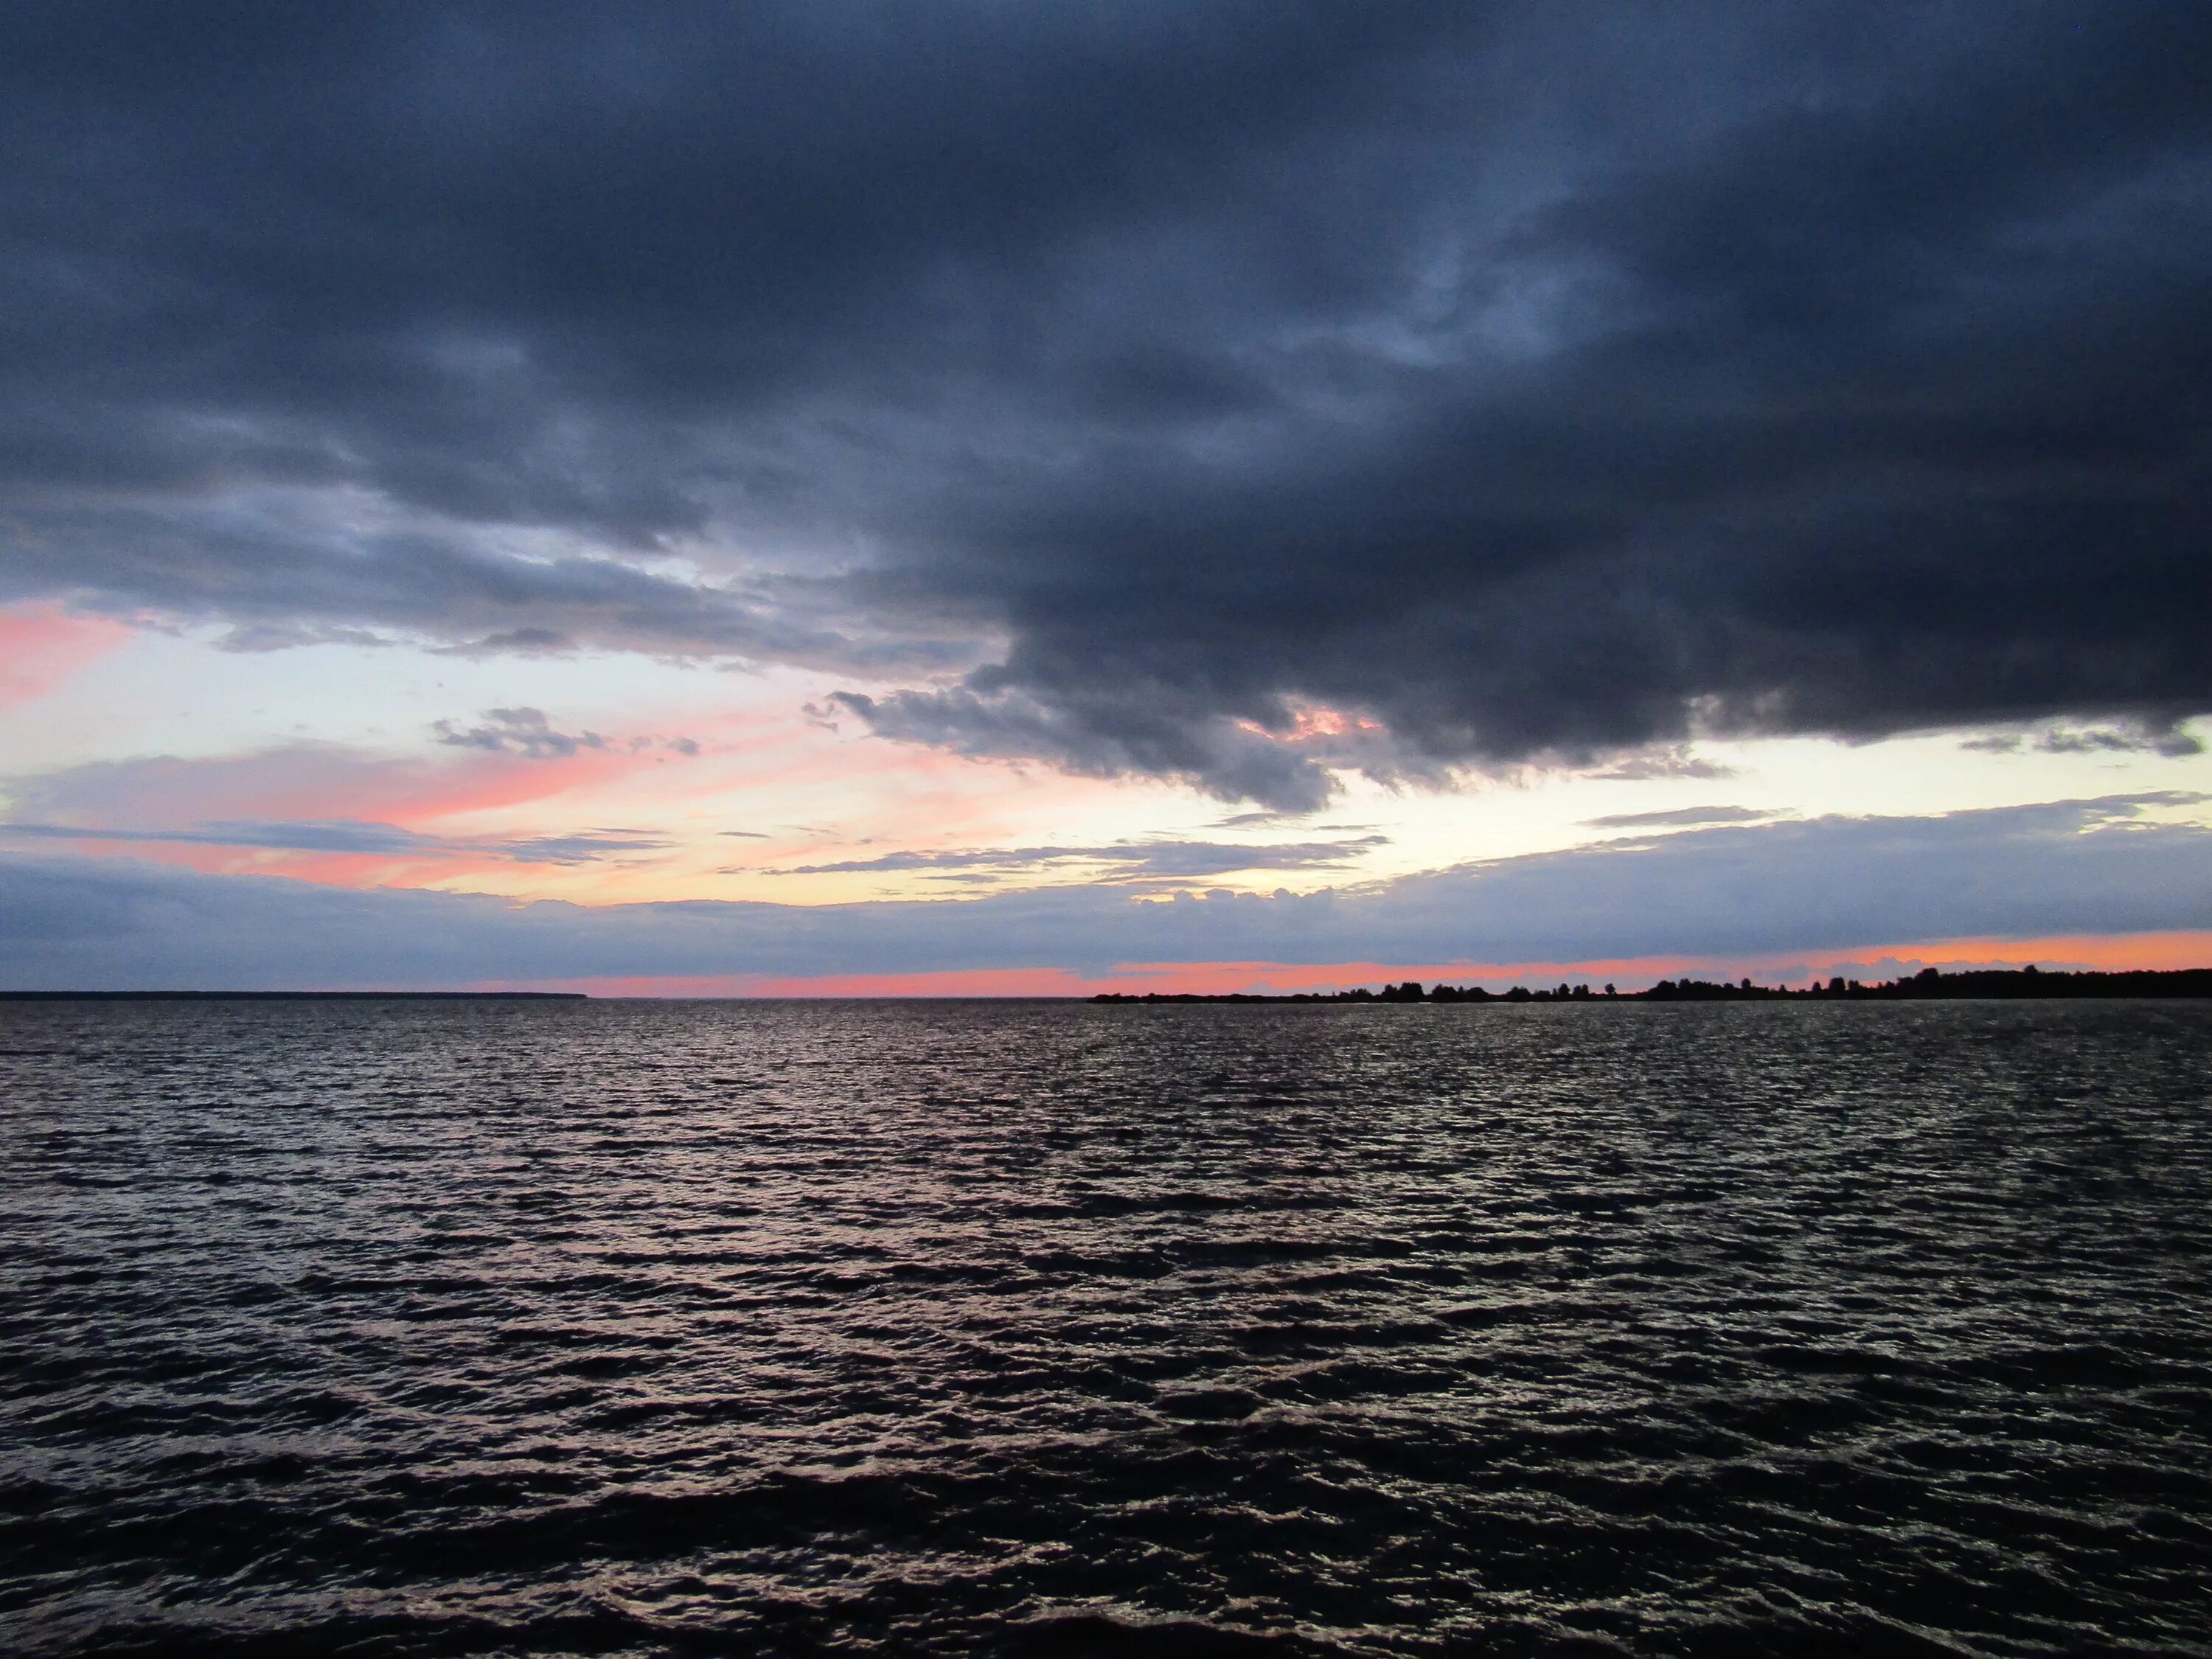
point(980, 498)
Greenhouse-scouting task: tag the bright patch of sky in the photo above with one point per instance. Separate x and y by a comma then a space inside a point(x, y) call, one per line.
point(687, 782)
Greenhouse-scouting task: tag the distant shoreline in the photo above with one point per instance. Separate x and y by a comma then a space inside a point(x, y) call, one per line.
point(292, 996)
point(2025, 984)
point(2002, 984)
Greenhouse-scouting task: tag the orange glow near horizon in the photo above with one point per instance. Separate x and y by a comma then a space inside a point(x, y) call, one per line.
point(2111, 953)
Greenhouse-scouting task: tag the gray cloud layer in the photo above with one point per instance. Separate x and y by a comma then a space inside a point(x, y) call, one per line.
point(1769, 891)
point(1532, 381)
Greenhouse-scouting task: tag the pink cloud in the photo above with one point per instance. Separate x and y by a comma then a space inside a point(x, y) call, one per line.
point(313, 782)
point(468, 793)
point(41, 645)
point(314, 785)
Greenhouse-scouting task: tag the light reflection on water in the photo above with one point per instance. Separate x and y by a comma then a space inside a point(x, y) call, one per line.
point(647, 1327)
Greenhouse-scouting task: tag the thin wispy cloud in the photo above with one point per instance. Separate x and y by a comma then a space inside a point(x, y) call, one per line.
point(529, 732)
point(517, 731)
point(1680, 817)
point(1153, 860)
point(346, 835)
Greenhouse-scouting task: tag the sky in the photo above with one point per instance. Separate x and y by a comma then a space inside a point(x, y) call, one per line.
point(977, 498)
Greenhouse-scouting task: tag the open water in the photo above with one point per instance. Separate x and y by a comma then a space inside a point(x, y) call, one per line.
point(794, 1329)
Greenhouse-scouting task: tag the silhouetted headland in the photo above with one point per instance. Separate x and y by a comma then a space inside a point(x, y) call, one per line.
point(1928, 984)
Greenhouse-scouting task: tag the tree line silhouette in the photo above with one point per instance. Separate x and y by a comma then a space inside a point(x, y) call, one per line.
point(1928, 984)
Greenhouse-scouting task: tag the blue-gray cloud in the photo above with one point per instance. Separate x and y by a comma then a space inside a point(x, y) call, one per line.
point(1680, 817)
point(354, 836)
point(1772, 891)
point(2171, 741)
point(525, 731)
point(1146, 860)
point(531, 733)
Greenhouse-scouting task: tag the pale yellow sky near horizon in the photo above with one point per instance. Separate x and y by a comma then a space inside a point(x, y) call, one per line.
point(348, 732)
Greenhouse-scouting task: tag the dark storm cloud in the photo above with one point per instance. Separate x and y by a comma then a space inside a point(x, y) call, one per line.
point(1165, 734)
point(1768, 892)
point(1527, 382)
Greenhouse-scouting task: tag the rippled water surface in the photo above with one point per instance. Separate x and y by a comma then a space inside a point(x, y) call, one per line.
point(664, 1328)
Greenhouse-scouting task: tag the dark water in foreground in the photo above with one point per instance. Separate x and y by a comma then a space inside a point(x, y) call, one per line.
point(946, 1327)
